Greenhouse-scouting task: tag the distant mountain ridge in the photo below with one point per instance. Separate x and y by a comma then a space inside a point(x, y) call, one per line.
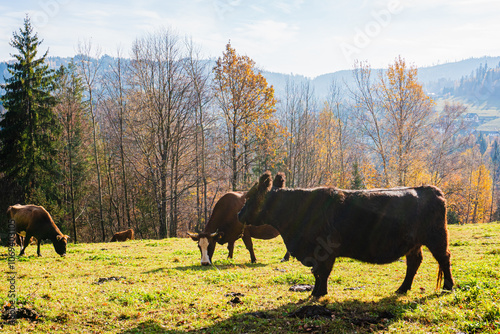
point(434, 78)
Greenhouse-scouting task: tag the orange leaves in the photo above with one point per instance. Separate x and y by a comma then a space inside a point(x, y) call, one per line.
point(242, 92)
point(247, 104)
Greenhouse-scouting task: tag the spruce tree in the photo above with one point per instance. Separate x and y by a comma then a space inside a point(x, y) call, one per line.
point(357, 179)
point(29, 129)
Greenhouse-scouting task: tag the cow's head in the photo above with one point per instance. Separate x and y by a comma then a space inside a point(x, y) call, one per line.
point(206, 244)
point(250, 212)
point(60, 244)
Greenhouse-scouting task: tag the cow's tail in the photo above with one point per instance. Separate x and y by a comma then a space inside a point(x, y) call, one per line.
point(439, 278)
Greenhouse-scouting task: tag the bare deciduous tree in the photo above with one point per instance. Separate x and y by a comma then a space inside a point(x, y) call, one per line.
point(89, 64)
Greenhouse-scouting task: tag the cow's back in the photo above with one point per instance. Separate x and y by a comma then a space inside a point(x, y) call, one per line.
point(392, 222)
point(22, 215)
point(224, 217)
point(33, 218)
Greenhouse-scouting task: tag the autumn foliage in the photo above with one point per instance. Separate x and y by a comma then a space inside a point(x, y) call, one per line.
point(151, 143)
point(247, 105)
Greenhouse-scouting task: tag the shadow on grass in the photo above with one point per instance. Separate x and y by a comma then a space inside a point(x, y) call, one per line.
point(350, 316)
point(149, 326)
point(209, 268)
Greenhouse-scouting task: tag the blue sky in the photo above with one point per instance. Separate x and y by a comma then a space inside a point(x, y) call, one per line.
point(289, 36)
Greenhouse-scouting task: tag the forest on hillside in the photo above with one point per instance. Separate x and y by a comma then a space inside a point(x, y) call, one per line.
point(153, 141)
point(481, 86)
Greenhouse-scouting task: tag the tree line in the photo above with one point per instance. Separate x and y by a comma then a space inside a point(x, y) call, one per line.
point(150, 142)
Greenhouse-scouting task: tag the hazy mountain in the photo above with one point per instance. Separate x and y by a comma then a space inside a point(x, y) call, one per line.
point(437, 79)
point(434, 78)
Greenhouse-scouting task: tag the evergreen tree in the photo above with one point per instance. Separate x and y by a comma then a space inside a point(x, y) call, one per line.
point(495, 174)
point(29, 130)
point(483, 145)
point(357, 179)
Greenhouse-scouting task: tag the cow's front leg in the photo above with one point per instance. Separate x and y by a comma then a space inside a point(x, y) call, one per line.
point(25, 243)
point(38, 247)
point(413, 260)
point(230, 248)
point(321, 273)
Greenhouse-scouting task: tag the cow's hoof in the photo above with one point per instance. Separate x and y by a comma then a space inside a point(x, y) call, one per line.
point(284, 260)
point(314, 298)
point(448, 286)
point(401, 292)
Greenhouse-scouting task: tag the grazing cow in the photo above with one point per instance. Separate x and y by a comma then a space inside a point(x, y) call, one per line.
point(374, 226)
point(36, 222)
point(123, 235)
point(223, 226)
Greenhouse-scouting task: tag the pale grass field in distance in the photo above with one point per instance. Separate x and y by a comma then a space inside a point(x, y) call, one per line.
point(161, 288)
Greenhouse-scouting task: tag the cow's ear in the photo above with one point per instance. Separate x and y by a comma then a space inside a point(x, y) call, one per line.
point(279, 180)
point(60, 237)
point(194, 236)
point(265, 182)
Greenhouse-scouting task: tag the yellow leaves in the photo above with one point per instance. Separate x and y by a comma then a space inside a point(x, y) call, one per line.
point(371, 177)
point(481, 183)
point(469, 192)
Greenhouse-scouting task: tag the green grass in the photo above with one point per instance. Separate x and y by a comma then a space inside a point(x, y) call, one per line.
point(162, 289)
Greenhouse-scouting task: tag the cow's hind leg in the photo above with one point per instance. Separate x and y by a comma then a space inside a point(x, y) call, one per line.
point(413, 260)
point(247, 239)
point(321, 273)
point(442, 255)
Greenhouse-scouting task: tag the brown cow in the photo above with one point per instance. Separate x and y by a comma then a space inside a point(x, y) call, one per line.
point(123, 235)
point(374, 226)
point(223, 226)
point(36, 222)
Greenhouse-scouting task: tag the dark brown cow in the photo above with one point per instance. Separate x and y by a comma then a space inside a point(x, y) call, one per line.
point(123, 235)
point(375, 226)
point(223, 226)
point(36, 222)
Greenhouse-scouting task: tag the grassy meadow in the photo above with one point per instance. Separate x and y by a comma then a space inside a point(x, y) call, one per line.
point(159, 287)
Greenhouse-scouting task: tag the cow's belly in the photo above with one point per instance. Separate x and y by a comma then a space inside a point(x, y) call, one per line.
point(378, 251)
point(377, 258)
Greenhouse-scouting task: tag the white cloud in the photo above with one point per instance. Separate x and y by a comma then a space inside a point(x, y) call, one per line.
point(296, 36)
point(269, 31)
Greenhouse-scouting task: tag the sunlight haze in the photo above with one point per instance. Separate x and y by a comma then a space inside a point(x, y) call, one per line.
point(301, 37)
